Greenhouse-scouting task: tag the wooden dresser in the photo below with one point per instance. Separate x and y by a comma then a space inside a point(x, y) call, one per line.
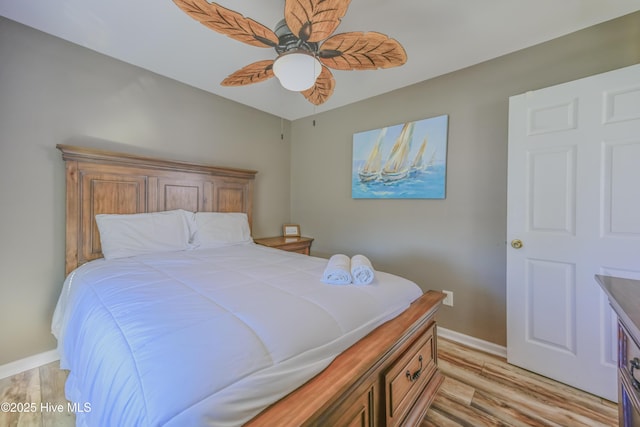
point(624, 297)
point(301, 245)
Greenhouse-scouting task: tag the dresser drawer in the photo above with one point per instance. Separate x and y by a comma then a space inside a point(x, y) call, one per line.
point(629, 372)
point(408, 376)
point(302, 249)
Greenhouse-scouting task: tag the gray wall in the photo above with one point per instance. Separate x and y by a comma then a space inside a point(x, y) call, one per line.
point(457, 243)
point(55, 92)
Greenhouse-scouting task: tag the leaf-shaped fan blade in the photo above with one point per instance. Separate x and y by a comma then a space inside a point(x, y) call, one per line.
point(323, 88)
point(361, 51)
point(229, 23)
point(314, 20)
point(252, 73)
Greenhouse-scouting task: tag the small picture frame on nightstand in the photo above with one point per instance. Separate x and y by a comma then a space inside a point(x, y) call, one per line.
point(291, 230)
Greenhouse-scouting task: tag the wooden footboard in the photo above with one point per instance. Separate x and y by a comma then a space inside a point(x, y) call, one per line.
point(389, 378)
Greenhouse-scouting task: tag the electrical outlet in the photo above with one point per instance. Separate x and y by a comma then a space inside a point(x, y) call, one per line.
point(449, 299)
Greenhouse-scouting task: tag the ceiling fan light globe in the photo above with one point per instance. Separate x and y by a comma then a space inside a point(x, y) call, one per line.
point(297, 71)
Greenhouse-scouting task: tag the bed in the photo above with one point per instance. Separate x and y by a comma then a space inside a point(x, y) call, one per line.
point(225, 334)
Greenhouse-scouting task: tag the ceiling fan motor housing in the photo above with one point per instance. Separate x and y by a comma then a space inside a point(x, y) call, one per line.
point(287, 41)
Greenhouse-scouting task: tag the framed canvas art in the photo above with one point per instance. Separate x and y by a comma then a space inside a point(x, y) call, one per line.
point(404, 161)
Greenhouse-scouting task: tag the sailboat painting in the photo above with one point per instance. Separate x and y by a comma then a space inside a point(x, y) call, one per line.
point(405, 161)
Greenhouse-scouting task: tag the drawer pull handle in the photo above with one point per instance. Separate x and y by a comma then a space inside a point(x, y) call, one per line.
point(635, 364)
point(412, 377)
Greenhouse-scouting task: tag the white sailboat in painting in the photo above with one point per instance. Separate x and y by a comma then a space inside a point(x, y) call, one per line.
point(418, 164)
point(371, 168)
point(396, 167)
point(431, 160)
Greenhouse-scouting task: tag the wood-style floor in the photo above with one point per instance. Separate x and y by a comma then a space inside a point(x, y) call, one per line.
point(34, 398)
point(484, 390)
point(479, 390)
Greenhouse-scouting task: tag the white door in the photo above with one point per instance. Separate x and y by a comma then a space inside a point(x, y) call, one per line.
point(574, 204)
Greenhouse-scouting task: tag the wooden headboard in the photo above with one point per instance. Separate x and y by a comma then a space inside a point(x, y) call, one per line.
point(106, 182)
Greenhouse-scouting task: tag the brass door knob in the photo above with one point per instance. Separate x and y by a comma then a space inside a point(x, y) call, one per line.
point(516, 243)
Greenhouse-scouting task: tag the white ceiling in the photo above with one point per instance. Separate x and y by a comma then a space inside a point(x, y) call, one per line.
point(439, 36)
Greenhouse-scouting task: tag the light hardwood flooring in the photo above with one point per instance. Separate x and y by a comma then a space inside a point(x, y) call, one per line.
point(36, 398)
point(479, 390)
point(484, 390)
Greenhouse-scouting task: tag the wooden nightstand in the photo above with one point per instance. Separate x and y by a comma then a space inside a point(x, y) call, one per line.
point(301, 245)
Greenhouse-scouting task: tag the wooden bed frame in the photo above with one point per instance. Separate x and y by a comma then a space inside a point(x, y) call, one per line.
point(388, 378)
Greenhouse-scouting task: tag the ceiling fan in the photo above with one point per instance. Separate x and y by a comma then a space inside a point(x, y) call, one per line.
point(304, 43)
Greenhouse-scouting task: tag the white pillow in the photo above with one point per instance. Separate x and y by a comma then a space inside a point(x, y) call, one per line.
point(134, 234)
point(217, 229)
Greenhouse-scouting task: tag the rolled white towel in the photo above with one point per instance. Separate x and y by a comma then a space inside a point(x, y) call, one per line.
point(361, 270)
point(338, 270)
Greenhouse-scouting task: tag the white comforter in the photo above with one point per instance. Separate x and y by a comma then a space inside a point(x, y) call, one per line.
point(207, 337)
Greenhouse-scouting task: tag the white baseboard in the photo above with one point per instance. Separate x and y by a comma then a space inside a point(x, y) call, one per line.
point(469, 341)
point(12, 368)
